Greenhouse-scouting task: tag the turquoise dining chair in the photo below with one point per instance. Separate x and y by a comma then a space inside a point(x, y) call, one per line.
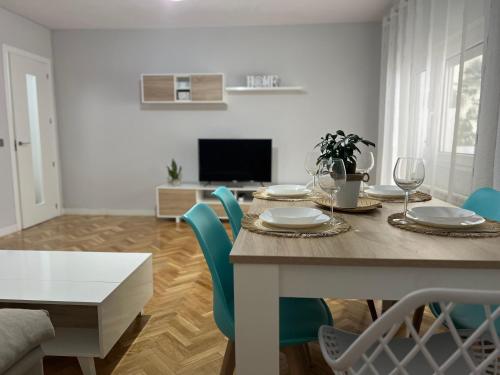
point(232, 208)
point(485, 202)
point(300, 318)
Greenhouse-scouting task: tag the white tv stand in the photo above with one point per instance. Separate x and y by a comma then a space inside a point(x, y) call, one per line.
point(172, 201)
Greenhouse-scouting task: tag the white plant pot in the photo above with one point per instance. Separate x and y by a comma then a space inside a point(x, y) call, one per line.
point(347, 197)
point(175, 182)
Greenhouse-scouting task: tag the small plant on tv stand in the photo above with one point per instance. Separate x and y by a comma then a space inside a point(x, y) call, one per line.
point(174, 173)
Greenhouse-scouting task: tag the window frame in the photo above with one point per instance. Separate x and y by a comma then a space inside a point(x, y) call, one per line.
point(452, 62)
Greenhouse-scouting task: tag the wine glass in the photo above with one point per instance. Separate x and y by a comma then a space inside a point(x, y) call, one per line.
point(365, 165)
point(409, 174)
point(332, 178)
point(311, 165)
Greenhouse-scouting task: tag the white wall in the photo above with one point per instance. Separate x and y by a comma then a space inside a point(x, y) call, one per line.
point(20, 33)
point(114, 151)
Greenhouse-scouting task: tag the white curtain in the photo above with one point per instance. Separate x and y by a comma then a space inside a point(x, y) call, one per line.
point(487, 162)
point(435, 55)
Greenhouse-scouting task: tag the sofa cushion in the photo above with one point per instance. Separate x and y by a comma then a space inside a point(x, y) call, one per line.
point(30, 364)
point(20, 332)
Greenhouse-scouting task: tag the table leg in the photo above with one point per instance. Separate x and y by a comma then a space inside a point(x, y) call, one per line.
point(87, 365)
point(256, 295)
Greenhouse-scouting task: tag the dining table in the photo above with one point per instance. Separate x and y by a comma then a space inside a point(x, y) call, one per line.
point(373, 260)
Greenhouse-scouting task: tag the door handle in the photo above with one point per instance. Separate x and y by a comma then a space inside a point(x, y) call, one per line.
point(21, 143)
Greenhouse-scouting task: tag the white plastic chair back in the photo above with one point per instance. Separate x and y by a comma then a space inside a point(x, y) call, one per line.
point(377, 351)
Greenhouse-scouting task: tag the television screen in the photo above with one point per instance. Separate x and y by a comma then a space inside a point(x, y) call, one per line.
point(235, 159)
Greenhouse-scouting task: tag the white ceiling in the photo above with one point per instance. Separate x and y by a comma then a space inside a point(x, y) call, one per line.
point(139, 14)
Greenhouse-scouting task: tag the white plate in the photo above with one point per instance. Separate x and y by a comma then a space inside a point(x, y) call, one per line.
point(293, 215)
point(322, 219)
point(450, 215)
point(291, 220)
point(386, 191)
point(462, 223)
point(287, 190)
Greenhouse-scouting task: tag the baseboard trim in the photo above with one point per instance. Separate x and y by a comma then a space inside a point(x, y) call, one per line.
point(8, 230)
point(107, 212)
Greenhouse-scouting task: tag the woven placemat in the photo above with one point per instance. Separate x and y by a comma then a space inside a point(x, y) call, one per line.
point(262, 194)
point(252, 223)
point(418, 196)
point(487, 229)
point(364, 205)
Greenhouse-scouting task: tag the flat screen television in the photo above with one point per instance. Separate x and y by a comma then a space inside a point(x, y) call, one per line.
point(236, 160)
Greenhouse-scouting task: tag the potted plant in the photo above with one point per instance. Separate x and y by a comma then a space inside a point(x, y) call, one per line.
point(174, 173)
point(342, 146)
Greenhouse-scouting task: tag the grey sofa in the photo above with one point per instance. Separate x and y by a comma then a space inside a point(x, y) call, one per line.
point(21, 334)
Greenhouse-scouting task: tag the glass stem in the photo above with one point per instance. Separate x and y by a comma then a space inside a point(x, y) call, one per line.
point(406, 205)
point(314, 182)
point(331, 207)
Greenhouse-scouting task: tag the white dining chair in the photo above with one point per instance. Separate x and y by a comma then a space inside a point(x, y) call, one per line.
point(376, 351)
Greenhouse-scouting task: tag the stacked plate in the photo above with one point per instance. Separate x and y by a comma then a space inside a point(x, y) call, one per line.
point(294, 191)
point(386, 191)
point(445, 217)
point(294, 217)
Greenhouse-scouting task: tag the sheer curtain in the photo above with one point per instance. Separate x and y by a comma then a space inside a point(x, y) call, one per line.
point(434, 59)
point(487, 161)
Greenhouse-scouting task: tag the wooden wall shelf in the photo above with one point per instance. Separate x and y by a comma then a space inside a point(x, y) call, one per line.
point(189, 88)
point(283, 89)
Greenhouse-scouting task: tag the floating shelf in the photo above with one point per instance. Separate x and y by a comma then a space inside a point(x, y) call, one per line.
point(188, 102)
point(265, 89)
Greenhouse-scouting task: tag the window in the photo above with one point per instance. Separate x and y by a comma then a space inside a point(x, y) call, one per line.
point(469, 107)
point(469, 103)
point(450, 106)
point(421, 113)
point(36, 145)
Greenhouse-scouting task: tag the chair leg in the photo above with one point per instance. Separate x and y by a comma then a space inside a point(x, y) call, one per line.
point(295, 359)
point(228, 364)
point(418, 316)
point(307, 355)
point(387, 304)
point(373, 310)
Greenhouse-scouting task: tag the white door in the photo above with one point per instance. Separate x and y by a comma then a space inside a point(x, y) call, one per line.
point(35, 138)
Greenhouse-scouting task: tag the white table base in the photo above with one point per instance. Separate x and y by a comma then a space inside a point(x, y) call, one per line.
point(92, 298)
point(259, 286)
point(87, 365)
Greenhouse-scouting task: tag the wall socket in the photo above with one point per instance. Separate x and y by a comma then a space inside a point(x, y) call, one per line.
point(1, 142)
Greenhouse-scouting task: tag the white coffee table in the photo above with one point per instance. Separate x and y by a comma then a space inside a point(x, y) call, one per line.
point(92, 297)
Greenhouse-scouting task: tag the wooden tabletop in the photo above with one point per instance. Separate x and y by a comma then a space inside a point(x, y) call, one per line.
point(371, 242)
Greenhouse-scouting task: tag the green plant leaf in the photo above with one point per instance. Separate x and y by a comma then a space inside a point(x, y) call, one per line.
point(342, 146)
point(367, 143)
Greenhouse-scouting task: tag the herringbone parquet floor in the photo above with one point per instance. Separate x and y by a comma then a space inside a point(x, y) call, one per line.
point(177, 335)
